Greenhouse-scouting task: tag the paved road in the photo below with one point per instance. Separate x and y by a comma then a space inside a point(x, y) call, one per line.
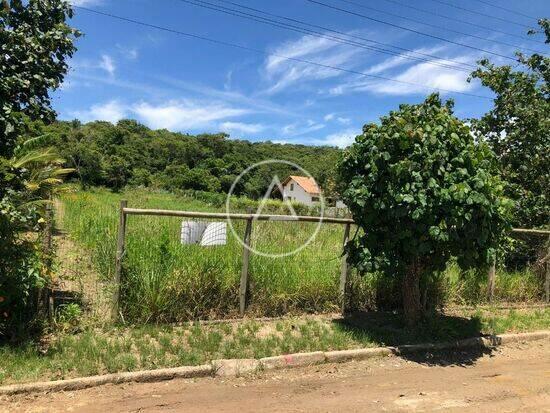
point(512, 378)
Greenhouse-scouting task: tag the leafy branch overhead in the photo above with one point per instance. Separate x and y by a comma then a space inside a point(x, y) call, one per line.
point(518, 130)
point(35, 42)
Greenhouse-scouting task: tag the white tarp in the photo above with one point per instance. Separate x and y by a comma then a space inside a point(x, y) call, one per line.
point(203, 233)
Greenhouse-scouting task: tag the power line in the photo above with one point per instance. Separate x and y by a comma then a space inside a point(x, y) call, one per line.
point(505, 9)
point(451, 18)
point(262, 52)
point(260, 19)
point(346, 34)
point(408, 29)
point(317, 34)
point(436, 26)
point(481, 14)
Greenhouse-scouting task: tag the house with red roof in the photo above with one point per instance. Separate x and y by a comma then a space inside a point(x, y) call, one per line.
point(301, 189)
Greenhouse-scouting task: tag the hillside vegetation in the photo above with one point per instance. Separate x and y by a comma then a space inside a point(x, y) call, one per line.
point(129, 153)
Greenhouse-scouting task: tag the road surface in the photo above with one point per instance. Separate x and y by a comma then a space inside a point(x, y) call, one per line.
point(511, 378)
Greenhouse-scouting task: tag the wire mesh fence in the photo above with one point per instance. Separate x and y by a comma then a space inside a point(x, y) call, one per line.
point(175, 274)
point(173, 268)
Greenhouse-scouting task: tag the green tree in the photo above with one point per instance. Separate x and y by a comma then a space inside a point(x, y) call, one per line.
point(117, 172)
point(421, 191)
point(32, 176)
point(35, 42)
point(518, 130)
point(178, 161)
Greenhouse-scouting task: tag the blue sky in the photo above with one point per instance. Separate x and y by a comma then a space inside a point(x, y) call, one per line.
point(123, 70)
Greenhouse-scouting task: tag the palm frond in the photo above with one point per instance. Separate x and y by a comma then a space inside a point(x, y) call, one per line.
point(32, 144)
point(43, 156)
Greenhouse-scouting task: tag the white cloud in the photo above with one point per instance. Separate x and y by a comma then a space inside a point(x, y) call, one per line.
point(339, 119)
point(282, 73)
point(111, 111)
point(424, 76)
point(173, 115)
point(250, 101)
point(336, 90)
point(228, 80)
point(85, 2)
point(184, 114)
point(413, 77)
point(242, 127)
point(107, 63)
point(404, 59)
point(341, 139)
point(296, 129)
point(131, 53)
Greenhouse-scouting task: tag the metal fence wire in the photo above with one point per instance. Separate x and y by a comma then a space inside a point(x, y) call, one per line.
point(180, 265)
point(177, 265)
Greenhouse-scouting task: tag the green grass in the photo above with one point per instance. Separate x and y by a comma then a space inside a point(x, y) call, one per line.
point(165, 281)
point(98, 351)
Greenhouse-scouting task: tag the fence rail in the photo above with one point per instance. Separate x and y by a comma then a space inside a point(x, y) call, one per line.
point(243, 288)
point(219, 215)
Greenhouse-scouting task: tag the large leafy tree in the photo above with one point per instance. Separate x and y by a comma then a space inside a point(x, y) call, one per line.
point(518, 130)
point(35, 42)
point(421, 191)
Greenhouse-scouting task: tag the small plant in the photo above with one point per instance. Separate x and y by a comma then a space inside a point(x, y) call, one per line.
point(68, 316)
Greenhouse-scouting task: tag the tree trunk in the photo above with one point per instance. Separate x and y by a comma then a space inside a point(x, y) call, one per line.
point(412, 306)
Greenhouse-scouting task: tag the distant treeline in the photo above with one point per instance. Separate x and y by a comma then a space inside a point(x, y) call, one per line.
point(130, 153)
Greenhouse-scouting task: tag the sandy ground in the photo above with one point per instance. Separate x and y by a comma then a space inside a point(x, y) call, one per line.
point(511, 378)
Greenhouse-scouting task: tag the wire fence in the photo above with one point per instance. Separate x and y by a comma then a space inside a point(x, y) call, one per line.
point(198, 266)
point(182, 265)
point(239, 272)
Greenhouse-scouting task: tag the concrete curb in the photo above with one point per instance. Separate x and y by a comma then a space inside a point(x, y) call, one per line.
point(239, 367)
point(116, 378)
point(292, 360)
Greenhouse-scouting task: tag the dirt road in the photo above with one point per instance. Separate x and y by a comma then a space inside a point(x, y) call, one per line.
point(512, 378)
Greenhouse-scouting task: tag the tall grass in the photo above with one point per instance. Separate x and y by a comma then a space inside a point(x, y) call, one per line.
point(166, 281)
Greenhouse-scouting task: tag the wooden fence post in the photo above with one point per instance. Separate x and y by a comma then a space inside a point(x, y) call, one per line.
point(344, 272)
point(119, 255)
point(547, 266)
point(491, 281)
point(47, 246)
point(45, 298)
point(244, 273)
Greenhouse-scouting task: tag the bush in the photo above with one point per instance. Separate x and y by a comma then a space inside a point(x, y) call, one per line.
point(422, 191)
point(19, 260)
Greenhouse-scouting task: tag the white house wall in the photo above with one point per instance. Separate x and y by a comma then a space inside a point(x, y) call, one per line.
point(298, 194)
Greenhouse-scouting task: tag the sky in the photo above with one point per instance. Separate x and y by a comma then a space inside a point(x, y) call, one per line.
point(169, 81)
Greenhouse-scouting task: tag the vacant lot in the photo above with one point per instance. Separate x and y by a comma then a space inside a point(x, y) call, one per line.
point(165, 281)
point(512, 378)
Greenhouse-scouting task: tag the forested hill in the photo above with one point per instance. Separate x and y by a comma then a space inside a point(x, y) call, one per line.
point(129, 153)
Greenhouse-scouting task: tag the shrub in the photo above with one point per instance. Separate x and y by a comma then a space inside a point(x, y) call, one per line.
point(421, 191)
